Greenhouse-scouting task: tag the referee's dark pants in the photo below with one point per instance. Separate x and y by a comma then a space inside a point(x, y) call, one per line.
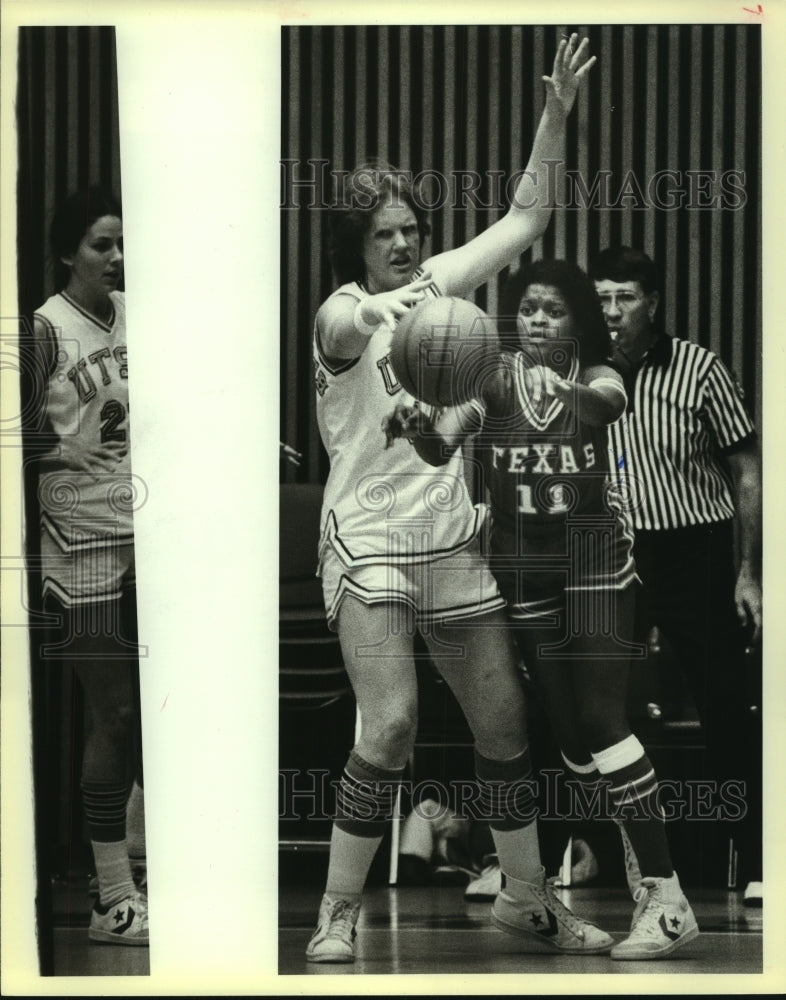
point(689, 577)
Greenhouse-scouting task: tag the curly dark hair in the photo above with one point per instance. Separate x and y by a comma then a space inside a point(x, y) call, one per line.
point(349, 220)
point(594, 342)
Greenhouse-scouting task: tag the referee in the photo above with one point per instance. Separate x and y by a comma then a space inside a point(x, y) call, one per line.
point(688, 449)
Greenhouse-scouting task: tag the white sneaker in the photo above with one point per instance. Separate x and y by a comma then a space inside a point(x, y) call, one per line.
point(632, 870)
point(123, 923)
point(662, 921)
point(486, 887)
point(334, 938)
point(753, 894)
point(532, 910)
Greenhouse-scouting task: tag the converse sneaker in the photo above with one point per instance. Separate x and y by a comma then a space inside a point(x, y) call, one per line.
point(662, 921)
point(334, 938)
point(486, 886)
point(533, 910)
point(123, 923)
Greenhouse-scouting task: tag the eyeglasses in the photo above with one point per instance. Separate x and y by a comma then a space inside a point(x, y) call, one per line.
point(623, 300)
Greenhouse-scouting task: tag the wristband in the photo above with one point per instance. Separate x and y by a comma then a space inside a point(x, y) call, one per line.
point(360, 324)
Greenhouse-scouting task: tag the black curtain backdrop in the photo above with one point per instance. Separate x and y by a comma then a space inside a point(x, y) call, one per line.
point(679, 98)
point(68, 138)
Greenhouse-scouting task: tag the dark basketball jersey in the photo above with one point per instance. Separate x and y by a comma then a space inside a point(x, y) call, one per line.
point(557, 519)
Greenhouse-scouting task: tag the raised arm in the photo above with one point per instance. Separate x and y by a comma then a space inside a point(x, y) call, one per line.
point(459, 271)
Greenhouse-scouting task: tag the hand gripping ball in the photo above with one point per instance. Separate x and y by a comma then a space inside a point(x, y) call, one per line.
point(442, 349)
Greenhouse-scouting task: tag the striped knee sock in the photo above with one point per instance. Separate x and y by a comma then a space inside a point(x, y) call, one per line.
point(507, 800)
point(365, 804)
point(586, 792)
point(632, 792)
point(105, 809)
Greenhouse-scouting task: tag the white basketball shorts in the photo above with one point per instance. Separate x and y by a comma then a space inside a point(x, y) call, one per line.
point(442, 590)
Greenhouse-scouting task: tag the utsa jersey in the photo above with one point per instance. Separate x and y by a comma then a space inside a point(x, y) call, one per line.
point(554, 511)
point(87, 404)
point(382, 503)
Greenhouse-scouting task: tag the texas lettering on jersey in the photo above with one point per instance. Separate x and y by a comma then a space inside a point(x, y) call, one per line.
point(545, 458)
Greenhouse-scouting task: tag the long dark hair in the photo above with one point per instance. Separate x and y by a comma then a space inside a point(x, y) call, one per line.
point(364, 189)
point(73, 218)
point(594, 342)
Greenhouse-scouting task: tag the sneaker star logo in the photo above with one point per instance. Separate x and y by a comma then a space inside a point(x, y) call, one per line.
point(550, 929)
point(675, 923)
point(120, 915)
point(672, 935)
point(129, 919)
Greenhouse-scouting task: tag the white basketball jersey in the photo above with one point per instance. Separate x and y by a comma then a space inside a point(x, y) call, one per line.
point(382, 503)
point(87, 403)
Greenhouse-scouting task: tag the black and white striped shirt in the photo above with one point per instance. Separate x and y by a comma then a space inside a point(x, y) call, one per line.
point(685, 411)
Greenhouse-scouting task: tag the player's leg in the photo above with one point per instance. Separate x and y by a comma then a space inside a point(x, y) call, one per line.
point(135, 806)
point(535, 633)
point(93, 637)
point(663, 919)
point(377, 646)
point(485, 681)
point(120, 914)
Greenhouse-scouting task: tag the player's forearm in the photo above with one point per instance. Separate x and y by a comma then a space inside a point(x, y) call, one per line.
point(433, 448)
point(341, 335)
point(536, 190)
point(437, 442)
point(594, 407)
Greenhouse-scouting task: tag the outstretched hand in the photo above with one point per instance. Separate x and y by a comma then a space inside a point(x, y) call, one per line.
point(389, 307)
point(571, 64)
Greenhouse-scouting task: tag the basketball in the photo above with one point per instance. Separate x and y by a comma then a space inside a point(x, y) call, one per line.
point(442, 348)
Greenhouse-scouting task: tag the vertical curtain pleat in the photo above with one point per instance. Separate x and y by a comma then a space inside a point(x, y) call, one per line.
point(447, 99)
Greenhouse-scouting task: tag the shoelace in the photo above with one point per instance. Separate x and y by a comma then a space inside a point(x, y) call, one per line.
point(632, 871)
point(631, 861)
point(140, 908)
point(647, 912)
point(341, 919)
point(574, 924)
